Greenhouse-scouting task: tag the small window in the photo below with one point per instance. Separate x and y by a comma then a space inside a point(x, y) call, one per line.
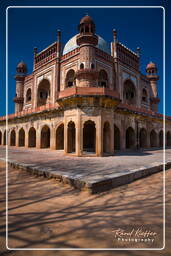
point(92, 65)
point(81, 66)
point(86, 29)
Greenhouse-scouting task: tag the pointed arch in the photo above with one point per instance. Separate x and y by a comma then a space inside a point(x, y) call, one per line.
point(13, 138)
point(129, 92)
point(103, 78)
point(70, 78)
point(161, 138)
point(89, 136)
point(116, 138)
point(43, 92)
point(45, 137)
point(32, 137)
point(130, 138)
point(21, 138)
point(60, 137)
point(168, 139)
point(71, 137)
point(143, 138)
point(153, 138)
point(5, 135)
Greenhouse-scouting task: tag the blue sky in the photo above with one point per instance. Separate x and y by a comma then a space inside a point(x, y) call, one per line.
point(30, 27)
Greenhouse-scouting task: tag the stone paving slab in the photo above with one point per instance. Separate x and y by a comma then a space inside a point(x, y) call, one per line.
point(95, 174)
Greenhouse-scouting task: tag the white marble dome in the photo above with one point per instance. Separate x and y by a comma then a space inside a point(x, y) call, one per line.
point(72, 44)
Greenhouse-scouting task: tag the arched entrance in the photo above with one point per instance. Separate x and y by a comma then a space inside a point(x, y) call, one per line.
point(71, 137)
point(106, 138)
point(60, 137)
point(130, 138)
point(0, 138)
point(13, 138)
point(143, 138)
point(45, 137)
point(153, 139)
point(21, 138)
point(5, 133)
point(89, 136)
point(168, 139)
point(161, 138)
point(32, 137)
point(116, 138)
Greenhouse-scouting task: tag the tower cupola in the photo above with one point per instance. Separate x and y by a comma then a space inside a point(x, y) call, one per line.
point(86, 30)
point(21, 68)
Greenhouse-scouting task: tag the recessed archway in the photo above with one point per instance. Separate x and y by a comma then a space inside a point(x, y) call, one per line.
point(32, 137)
point(43, 92)
point(168, 139)
point(143, 138)
point(116, 138)
point(21, 138)
point(153, 138)
point(71, 137)
point(161, 138)
point(60, 137)
point(129, 93)
point(89, 136)
point(0, 138)
point(130, 138)
point(28, 95)
point(70, 78)
point(45, 137)
point(13, 138)
point(103, 78)
point(5, 134)
point(106, 138)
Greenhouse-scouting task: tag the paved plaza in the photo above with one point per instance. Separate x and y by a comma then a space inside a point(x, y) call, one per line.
point(92, 173)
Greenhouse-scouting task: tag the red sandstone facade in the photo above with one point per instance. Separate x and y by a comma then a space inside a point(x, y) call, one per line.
point(86, 99)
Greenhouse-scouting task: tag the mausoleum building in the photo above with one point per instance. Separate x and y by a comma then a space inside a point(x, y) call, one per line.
point(86, 99)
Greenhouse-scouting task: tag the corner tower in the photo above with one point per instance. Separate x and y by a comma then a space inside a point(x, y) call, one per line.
point(87, 40)
point(21, 72)
point(153, 77)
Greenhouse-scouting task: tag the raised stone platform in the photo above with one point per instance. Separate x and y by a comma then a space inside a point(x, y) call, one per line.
point(88, 173)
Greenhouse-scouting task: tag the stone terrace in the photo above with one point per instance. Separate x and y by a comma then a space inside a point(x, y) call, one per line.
point(92, 173)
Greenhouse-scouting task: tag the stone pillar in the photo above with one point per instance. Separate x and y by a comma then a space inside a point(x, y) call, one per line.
point(122, 136)
point(53, 138)
point(112, 137)
point(157, 140)
point(99, 137)
point(8, 138)
point(38, 138)
point(65, 136)
point(148, 139)
point(26, 138)
point(17, 138)
point(78, 135)
point(2, 138)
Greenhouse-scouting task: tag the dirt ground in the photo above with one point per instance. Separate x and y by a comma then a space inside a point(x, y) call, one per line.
point(46, 214)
